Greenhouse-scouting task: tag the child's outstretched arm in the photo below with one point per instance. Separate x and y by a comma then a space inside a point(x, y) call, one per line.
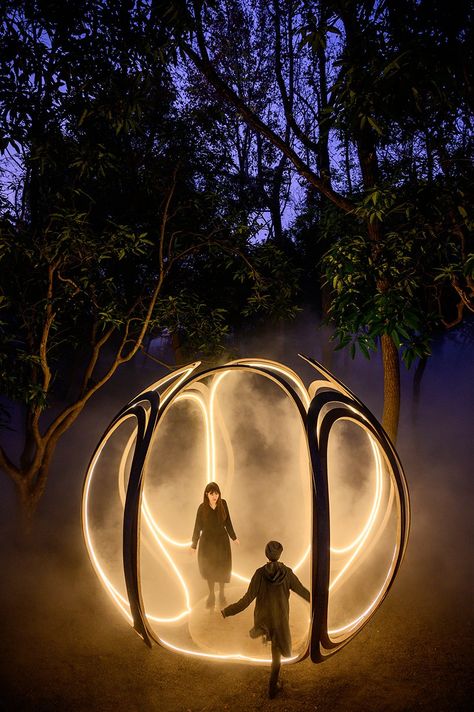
point(246, 599)
point(297, 587)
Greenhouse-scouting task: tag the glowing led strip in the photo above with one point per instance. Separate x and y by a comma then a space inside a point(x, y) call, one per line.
point(210, 449)
point(278, 368)
point(302, 560)
point(378, 497)
point(354, 623)
point(183, 372)
point(157, 533)
point(215, 383)
point(181, 615)
point(229, 656)
point(375, 505)
point(216, 419)
point(212, 407)
point(117, 597)
point(122, 603)
point(151, 521)
point(274, 367)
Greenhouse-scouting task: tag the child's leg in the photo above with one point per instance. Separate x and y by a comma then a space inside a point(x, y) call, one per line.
point(275, 671)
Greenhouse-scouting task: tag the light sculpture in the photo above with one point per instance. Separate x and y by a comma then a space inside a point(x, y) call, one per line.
point(336, 468)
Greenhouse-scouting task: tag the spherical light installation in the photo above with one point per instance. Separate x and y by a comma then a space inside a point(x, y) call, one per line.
point(312, 468)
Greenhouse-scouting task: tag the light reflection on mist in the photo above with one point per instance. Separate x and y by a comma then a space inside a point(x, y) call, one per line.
point(242, 428)
point(105, 521)
point(261, 464)
point(428, 602)
point(364, 524)
point(258, 440)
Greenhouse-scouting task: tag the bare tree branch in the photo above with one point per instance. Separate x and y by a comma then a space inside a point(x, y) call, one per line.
point(257, 124)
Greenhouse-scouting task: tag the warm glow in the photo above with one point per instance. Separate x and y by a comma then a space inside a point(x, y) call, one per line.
point(165, 546)
point(232, 656)
point(354, 623)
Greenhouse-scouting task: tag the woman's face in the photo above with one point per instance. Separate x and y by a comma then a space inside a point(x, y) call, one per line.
point(213, 497)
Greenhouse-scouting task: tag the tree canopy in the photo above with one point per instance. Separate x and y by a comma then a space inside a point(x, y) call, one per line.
point(114, 220)
point(356, 89)
point(183, 167)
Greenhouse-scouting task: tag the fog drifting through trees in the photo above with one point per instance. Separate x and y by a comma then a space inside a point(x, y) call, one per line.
point(436, 450)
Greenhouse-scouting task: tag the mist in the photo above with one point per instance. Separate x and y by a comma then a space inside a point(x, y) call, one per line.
point(52, 598)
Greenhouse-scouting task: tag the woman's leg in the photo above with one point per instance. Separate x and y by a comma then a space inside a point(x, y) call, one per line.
point(211, 599)
point(222, 598)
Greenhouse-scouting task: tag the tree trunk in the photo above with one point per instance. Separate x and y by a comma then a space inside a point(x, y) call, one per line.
point(347, 163)
point(275, 209)
point(323, 158)
point(391, 387)
point(28, 497)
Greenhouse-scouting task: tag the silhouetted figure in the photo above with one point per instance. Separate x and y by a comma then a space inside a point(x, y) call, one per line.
point(271, 585)
point(212, 530)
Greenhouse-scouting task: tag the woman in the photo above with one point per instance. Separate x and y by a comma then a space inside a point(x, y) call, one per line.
point(212, 529)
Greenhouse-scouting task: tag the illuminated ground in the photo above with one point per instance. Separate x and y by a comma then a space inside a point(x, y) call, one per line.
point(64, 648)
point(213, 634)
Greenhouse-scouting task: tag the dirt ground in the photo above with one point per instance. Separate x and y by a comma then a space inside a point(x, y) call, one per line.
point(64, 647)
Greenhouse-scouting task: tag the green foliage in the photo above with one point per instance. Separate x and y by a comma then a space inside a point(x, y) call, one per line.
point(377, 204)
point(379, 292)
point(400, 96)
point(201, 328)
point(408, 283)
point(117, 192)
point(276, 284)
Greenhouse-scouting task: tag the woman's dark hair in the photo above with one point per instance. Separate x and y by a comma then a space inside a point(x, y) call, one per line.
point(212, 487)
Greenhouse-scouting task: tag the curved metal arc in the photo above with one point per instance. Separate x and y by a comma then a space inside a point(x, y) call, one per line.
point(320, 536)
point(321, 644)
point(371, 418)
point(387, 445)
point(270, 365)
point(131, 518)
point(335, 382)
point(353, 627)
point(116, 595)
point(147, 422)
point(195, 378)
point(128, 411)
point(269, 373)
point(174, 375)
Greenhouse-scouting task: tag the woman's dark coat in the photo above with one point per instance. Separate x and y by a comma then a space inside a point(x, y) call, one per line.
point(271, 585)
point(214, 556)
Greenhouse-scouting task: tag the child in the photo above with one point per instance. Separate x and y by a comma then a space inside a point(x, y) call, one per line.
point(271, 585)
